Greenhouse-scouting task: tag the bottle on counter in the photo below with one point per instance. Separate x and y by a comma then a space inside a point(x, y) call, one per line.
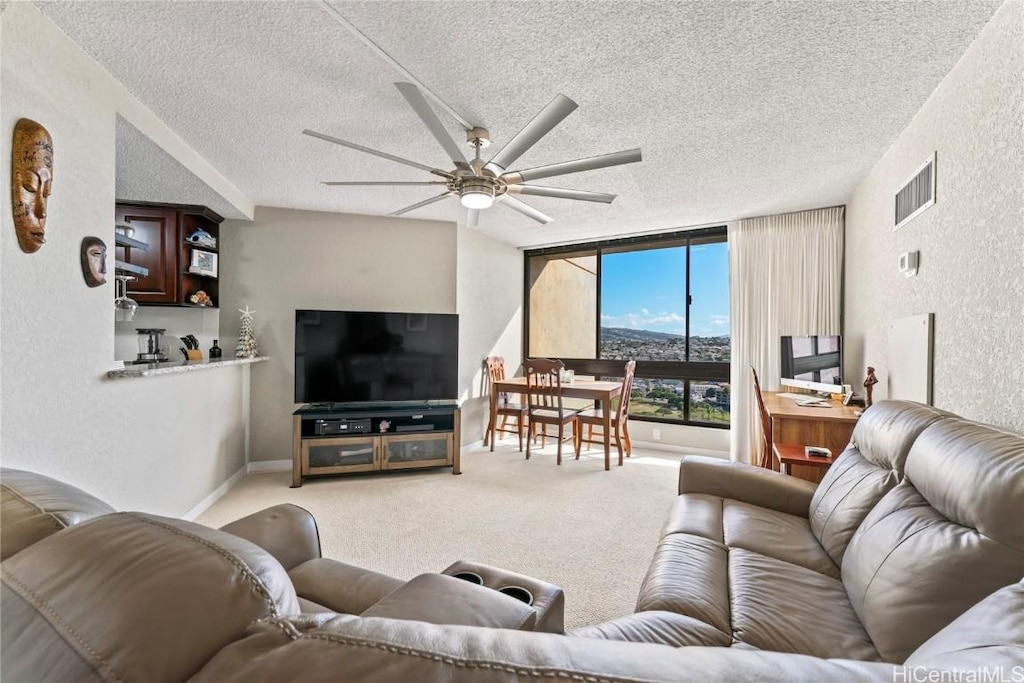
point(215, 350)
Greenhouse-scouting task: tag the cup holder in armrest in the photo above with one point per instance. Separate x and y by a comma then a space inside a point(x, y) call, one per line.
point(518, 593)
point(472, 577)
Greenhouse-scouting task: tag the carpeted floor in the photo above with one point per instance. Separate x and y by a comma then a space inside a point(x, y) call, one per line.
point(589, 531)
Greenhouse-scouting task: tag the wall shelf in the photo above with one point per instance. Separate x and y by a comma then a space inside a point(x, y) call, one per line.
point(122, 267)
point(125, 241)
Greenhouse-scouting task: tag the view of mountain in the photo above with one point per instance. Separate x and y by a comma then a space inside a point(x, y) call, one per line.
point(621, 342)
point(619, 333)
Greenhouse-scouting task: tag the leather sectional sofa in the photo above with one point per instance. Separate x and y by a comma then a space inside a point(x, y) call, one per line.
point(905, 562)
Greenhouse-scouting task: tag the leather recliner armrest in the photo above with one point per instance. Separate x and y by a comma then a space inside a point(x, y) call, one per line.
point(754, 485)
point(341, 587)
point(441, 599)
point(286, 531)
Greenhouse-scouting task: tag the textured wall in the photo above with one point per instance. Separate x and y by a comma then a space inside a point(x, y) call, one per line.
point(161, 444)
point(286, 260)
point(971, 241)
point(490, 306)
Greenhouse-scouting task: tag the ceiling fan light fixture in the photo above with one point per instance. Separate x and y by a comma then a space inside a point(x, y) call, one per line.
point(477, 193)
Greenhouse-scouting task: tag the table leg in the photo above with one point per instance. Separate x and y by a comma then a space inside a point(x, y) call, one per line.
point(493, 418)
point(606, 421)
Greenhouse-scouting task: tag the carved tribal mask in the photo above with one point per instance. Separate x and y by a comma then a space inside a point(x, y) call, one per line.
point(31, 180)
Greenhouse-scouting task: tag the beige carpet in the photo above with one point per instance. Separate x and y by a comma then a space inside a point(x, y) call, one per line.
point(589, 531)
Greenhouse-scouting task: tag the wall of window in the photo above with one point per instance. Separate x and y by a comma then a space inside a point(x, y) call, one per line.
point(661, 300)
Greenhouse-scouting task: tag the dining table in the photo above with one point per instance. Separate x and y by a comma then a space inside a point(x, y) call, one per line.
point(600, 392)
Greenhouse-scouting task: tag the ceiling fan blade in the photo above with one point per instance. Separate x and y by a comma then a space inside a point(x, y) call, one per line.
point(628, 156)
point(472, 217)
point(428, 182)
point(360, 148)
point(419, 104)
point(418, 205)
point(525, 209)
point(549, 117)
point(561, 193)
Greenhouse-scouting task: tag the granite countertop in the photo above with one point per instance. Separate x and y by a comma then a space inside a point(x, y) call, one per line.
point(176, 366)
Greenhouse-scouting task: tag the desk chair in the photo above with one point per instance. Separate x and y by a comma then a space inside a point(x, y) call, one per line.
point(544, 400)
point(619, 421)
point(505, 409)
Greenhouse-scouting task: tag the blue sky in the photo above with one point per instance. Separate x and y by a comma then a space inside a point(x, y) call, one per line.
point(646, 290)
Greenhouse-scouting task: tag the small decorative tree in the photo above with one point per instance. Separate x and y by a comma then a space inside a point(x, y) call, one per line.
point(247, 346)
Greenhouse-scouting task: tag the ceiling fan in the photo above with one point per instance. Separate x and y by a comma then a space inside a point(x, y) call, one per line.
point(479, 184)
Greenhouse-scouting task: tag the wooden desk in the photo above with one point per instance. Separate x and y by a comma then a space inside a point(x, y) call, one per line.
point(806, 426)
point(602, 393)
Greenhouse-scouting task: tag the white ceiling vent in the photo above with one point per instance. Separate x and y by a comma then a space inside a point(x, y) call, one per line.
point(916, 195)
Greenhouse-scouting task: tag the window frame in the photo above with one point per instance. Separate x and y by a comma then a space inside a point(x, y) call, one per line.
point(685, 371)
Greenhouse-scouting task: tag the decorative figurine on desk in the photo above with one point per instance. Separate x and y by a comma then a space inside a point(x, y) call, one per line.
point(869, 385)
point(246, 347)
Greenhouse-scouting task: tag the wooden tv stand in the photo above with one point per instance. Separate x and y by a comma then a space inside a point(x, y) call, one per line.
point(340, 440)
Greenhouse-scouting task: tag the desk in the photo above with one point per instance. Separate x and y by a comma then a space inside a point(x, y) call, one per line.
point(806, 426)
point(602, 393)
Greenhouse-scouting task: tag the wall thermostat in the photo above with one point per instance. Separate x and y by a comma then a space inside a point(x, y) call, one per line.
point(908, 263)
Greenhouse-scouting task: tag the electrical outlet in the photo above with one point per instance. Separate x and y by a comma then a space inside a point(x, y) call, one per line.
point(656, 434)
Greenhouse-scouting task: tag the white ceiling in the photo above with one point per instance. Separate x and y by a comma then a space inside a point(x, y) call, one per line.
point(741, 108)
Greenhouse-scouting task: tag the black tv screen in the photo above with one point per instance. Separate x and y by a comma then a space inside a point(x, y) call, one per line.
point(364, 357)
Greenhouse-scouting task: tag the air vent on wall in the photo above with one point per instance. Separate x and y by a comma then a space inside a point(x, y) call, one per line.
point(916, 195)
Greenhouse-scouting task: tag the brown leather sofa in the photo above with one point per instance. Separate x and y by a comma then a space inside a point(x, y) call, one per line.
point(907, 559)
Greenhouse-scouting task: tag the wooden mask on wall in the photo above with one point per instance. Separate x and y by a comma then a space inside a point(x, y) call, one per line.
point(94, 261)
point(31, 180)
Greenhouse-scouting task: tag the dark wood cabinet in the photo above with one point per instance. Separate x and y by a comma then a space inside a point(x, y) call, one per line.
point(178, 268)
point(157, 227)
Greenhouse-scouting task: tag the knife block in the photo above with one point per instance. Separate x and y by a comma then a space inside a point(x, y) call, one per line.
point(193, 354)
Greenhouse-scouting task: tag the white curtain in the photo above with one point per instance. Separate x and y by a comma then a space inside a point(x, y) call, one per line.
point(785, 278)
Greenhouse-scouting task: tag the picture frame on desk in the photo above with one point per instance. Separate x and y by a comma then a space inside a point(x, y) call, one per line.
point(203, 263)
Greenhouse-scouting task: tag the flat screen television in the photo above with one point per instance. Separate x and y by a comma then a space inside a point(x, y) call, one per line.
point(366, 357)
point(814, 363)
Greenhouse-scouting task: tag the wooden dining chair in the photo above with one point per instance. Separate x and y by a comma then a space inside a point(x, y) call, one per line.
point(619, 421)
point(544, 400)
point(505, 408)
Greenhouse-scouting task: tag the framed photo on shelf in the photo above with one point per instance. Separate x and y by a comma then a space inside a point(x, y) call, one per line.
point(203, 263)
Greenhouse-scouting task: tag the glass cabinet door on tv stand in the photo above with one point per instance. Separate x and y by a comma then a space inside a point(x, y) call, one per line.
point(415, 450)
point(340, 455)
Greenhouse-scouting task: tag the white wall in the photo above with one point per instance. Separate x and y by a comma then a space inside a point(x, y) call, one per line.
point(286, 260)
point(971, 240)
point(160, 445)
point(490, 306)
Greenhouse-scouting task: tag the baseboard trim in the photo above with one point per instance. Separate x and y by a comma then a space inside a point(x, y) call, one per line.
point(269, 466)
point(215, 495)
point(682, 450)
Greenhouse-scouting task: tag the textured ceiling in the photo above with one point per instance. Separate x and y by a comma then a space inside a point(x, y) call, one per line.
point(741, 108)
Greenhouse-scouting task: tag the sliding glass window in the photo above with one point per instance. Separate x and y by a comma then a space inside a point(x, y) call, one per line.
point(661, 300)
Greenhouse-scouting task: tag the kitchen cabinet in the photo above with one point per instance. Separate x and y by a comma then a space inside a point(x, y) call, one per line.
point(166, 228)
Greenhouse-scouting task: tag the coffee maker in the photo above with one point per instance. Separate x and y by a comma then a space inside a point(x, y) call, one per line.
point(151, 345)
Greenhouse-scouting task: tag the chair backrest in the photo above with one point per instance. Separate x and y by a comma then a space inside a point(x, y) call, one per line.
point(766, 420)
point(495, 368)
point(544, 383)
point(627, 390)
